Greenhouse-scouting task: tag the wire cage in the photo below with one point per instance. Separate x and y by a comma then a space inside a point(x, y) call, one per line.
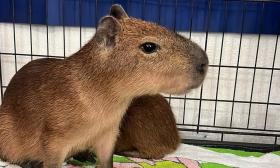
point(238, 106)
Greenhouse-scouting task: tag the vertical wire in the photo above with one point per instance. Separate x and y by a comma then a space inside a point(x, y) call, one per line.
point(185, 96)
point(205, 48)
point(96, 21)
point(175, 16)
point(1, 82)
point(30, 28)
point(128, 7)
point(220, 61)
point(275, 143)
point(191, 20)
point(270, 83)
point(238, 58)
point(143, 10)
point(159, 12)
point(63, 27)
point(80, 21)
point(47, 26)
point(14, 32)
point(174, 29)
point(256, 61)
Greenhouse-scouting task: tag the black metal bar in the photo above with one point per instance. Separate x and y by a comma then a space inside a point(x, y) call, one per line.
point(143, 10)
point(255, 147)
point(184, 113)
point(47, 27)
point(229, 128)
point(14, 32)
point(205, 48)
point(270, 82)
point(256, 61)
point(275, 143)
point(159, 12)
point(174, 29)
point(244, 67)
point(223, 100)
point(80, 21)
point(128, 7)
point(96, 18)
point(191, 20)
point(220, 61)
point(30, 28)
point(175, 15)
point(238, 58)
point(185, 96)
point(1, 81)
point(40, 55)
point(63, 27)
point(222, 137)
point(230, 132)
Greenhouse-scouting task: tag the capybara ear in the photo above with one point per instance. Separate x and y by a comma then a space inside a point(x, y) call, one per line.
point(107, 30)
point(118, 12)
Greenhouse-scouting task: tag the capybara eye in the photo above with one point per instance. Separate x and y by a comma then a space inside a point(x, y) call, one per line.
point(149, 47)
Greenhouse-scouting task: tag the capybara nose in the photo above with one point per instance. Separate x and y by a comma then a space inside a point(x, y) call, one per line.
point(202, 68)
point(200, 59)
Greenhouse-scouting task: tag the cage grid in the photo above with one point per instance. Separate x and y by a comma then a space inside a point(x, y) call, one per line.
point(197, 129)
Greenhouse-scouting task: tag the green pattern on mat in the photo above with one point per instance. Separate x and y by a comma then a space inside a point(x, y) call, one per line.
point(122, 159)
point(162, 164)
point(213, 165)
point(237, 152)
point(277, 153)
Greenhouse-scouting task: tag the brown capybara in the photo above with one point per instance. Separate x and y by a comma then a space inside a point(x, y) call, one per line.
point(54, 109)
point(148, 130)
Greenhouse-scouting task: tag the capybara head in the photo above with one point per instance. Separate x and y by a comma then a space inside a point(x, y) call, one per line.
point(150, 55)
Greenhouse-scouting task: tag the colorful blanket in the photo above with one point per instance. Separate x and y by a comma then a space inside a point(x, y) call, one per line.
point(189, 156)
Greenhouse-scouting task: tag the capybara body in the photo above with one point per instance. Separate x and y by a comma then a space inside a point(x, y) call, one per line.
point(54, 109)
point(148, 130)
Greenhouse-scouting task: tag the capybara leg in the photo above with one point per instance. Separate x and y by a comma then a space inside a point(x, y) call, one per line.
point(105, 158)
point(53, 162)
point(104, 149)
point(54, 158)
point(52, 165)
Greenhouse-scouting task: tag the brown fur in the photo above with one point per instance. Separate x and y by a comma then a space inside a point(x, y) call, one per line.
point(55, 108)
point(148, 130)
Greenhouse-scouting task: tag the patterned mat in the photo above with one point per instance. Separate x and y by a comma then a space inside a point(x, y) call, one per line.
point(188, 156)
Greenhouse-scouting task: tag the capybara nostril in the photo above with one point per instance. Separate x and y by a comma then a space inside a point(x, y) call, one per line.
point(202, 64)
point(201, 68)
point(201, 60)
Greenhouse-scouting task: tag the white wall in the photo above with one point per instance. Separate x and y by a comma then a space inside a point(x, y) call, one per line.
point(230, 52)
